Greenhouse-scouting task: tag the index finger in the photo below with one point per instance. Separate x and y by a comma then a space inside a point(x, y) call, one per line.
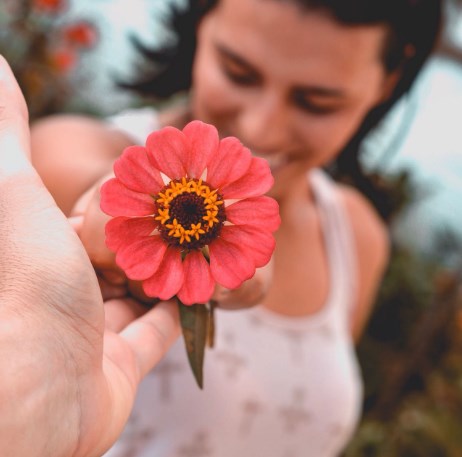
point(92, 230)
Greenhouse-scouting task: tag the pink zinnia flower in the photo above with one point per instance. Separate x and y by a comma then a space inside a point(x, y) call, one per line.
point(190, 212)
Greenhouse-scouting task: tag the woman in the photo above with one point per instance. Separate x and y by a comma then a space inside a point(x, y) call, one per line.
point(300, 83)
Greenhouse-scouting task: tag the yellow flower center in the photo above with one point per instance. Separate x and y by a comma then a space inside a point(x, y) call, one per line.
point(190, 213)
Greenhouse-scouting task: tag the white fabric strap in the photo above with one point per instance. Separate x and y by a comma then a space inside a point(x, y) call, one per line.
point(339, 238)
point(135, 123)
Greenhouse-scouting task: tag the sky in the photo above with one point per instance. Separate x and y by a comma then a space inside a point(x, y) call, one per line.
point(116, 20)
point(432, 146)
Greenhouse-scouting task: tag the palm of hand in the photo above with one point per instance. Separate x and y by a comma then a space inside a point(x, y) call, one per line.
point(63, 392)
point(89, 386)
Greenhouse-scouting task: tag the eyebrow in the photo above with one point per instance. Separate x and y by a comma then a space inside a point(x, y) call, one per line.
point(308, 90)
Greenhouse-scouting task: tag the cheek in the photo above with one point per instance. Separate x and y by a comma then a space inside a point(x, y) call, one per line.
point(212, 98)
point(326, 136)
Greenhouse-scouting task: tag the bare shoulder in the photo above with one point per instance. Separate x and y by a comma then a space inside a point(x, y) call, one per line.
point(369, 229)
point(372, 246)
point(77, 132)
point(72, 152)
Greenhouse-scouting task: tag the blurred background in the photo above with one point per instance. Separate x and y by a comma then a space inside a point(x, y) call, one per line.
point(68, 55)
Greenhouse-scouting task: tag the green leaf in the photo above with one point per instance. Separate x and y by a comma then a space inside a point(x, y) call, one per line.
point(195, 323)
point(211, 328)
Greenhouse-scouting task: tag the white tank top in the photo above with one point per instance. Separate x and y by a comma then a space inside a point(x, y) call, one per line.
point(274, 386)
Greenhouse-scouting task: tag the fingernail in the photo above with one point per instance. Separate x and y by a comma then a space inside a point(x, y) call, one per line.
point(75, 221)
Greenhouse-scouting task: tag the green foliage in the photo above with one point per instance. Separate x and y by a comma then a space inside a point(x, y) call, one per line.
point(411, 357)
point(43, 48)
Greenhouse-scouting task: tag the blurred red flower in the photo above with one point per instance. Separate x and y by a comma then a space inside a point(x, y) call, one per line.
point(50, 6)
point(63, 59)
point(189, 212)
point(80, 34)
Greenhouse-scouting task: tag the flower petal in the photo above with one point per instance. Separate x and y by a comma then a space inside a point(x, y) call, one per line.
point(229, 263)
point(168, 278)
point(203, 144)
point(142, 258)
point(229, 164)
point(258, 244)
point(261, 212)
point(256, 181)
point(117, 200)
point(168, 151)
point(122, 231)
point(136, 172)
point(198, 283)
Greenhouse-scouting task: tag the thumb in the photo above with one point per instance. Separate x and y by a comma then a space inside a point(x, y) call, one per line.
point(76, 223)
point(14, 128)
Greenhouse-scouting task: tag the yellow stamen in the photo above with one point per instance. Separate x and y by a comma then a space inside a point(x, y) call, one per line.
point(210, 218)
point(173, 227)
point(164, 215)
point(196, 230)
point(184, 227)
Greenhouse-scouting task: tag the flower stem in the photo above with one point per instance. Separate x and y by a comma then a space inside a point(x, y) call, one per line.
point(195, 324)
point(211, 326)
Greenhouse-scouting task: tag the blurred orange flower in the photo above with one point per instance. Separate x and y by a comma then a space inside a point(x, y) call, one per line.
point(80, 34)
point(50, 6)
point(63, 59)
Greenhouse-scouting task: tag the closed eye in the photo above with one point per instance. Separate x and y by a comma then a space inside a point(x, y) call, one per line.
point(239, 77)
point(312, 99)
point(236, 69)
point(317, 104)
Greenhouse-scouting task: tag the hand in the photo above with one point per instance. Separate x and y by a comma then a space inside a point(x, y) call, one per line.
point(67, 386)
point(250, 293)
point(89, 223)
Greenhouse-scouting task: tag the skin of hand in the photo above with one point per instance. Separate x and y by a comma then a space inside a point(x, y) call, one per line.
point(67, 384)
point(89, 222)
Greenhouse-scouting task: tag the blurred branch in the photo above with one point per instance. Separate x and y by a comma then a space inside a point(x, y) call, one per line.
point(44, 49)
point(450, 50)
point(428, 338)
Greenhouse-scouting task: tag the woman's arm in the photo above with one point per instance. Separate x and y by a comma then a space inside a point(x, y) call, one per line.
point(372, 248)
point(71, 153)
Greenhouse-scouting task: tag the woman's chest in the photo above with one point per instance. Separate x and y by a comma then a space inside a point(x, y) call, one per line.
point(271, 388)
point(302, 276)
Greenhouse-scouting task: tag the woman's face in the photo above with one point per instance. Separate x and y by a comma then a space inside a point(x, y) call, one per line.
point(293, 86)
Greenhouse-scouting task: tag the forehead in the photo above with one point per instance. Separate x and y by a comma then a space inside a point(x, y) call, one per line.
point(281, 37)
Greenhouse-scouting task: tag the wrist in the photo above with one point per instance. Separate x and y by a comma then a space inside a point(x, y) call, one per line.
point(28, 392)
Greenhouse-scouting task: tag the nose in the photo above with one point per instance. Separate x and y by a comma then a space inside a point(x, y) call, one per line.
point(264, 125)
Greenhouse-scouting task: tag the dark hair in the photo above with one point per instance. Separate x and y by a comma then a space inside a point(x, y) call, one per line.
point(413, 29)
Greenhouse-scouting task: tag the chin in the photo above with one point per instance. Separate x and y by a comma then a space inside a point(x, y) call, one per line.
point(289, 178)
